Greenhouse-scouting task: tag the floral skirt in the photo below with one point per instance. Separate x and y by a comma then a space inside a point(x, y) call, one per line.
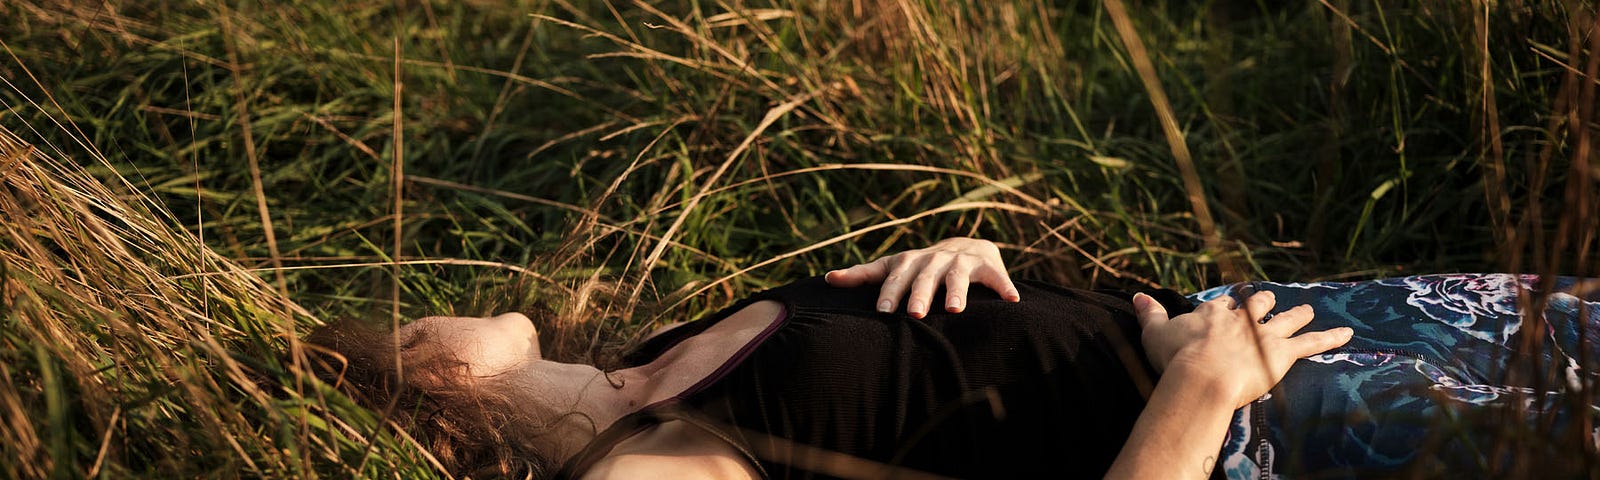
point(1442, 372)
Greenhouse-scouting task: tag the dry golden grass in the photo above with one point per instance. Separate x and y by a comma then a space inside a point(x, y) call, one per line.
point(201, 182)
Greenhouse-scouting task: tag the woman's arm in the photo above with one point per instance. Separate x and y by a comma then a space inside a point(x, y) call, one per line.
point(1180, 432)
point(1215, 360)
point(955, 263)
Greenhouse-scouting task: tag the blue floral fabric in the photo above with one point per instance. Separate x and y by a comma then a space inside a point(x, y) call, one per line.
point(1431, 354)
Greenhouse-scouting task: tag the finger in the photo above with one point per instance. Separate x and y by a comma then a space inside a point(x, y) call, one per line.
point(1260, 304)
point(1312, 343)
point(956, 281)
point(1149, 311)
point(1220, 303)
point(926, 282)
point(996, 279)
point(895, 283)
point(1292, 320)
point(863, 274)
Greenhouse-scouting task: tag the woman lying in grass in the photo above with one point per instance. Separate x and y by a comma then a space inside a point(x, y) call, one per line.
point(833, 377)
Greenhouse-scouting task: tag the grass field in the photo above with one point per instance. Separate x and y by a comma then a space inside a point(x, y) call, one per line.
point(208, 180)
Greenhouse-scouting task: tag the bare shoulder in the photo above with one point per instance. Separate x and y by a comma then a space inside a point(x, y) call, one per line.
point(673, 450)
point(635, 465)
point(759, 314)
point(755, 316)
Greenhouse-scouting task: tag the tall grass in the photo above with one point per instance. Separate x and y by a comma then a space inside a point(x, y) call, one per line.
point(189, 186)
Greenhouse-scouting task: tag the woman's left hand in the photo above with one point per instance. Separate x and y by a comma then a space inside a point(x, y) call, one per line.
point(955, 262)
point(1233, 346)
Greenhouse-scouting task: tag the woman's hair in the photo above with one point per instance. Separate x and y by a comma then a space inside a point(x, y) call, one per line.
point(469, 424)
point(422, 388)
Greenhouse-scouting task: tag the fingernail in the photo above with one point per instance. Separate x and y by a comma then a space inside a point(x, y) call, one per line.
point(953, 305)
point(1012, 295)
point(1347, 332)
point(916, 309)
point(885, 306)
point(1141, 301)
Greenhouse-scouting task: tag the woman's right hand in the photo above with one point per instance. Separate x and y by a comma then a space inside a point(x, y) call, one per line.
point(954, 263)
point(1231, 346)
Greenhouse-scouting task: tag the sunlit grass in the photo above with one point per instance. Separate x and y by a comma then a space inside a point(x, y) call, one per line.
point(618, 164)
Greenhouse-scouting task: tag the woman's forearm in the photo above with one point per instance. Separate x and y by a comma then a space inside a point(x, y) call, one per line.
point(1180, 432)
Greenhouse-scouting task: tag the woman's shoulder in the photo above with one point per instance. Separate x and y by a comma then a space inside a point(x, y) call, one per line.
point(635, 466)
point(673, 449)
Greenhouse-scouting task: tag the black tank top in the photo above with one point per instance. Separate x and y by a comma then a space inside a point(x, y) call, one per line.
point(1048, 387)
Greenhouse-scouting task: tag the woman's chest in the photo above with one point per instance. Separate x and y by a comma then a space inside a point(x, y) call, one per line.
point(674, 449)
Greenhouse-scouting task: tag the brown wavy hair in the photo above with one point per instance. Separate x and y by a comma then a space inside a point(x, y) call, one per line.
point(469, 429)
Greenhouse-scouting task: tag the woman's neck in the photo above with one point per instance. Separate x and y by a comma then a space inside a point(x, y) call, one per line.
point(580, 401)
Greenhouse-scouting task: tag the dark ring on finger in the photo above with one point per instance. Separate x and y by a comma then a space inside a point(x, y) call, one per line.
point(1265, 318)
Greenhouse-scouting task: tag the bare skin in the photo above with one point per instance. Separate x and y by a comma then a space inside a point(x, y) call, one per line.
point(503, 352)
point(1177, 436)
point(956, 263)
point(1216, 359)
